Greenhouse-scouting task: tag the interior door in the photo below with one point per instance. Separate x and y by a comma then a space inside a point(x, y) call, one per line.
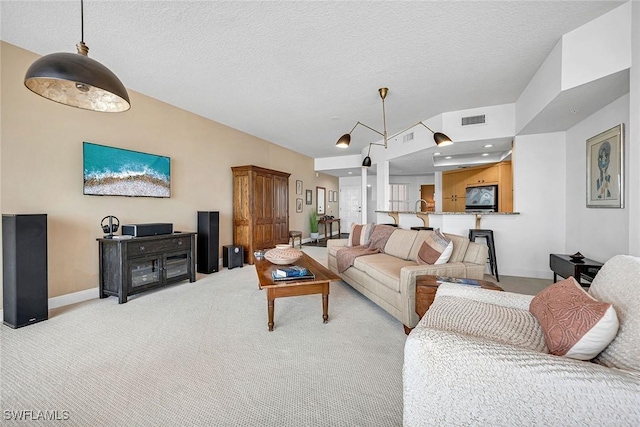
point(350, 206)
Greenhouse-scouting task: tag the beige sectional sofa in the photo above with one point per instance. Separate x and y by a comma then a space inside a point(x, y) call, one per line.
point(389, 279)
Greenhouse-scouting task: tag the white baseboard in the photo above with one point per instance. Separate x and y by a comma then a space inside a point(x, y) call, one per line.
point(73, 298)
point(68, 299)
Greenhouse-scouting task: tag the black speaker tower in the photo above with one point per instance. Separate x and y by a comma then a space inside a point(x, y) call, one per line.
point(208, 241)
point(24, 262)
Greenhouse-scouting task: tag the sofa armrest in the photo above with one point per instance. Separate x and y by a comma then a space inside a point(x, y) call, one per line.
point(505, 299)
point(408, 285)
point(454, 379)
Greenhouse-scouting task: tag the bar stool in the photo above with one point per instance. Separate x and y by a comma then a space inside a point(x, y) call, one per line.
point(488, 235)
point(293, 235)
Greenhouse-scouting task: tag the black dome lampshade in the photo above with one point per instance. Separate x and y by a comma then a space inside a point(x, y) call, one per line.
point(441, 139)
point(366, 162)
point(76, 80)
point(344, 141)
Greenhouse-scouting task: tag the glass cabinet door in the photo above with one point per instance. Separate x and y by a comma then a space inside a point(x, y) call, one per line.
point(145, 271)
point(176, 265)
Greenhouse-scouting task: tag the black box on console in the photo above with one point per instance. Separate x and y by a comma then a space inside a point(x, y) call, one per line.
point(152, 229)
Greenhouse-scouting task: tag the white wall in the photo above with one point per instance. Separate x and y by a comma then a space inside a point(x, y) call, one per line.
point(541, 90)
point(598, 48)
point(634, 135)
point(597, 233)
point(500, 122)
point(524, 242)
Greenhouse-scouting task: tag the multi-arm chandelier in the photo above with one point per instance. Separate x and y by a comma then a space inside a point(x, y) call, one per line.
point(77, 80)
point(440, 138)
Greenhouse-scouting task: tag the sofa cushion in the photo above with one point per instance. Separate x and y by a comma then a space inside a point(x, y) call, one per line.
point(436, 249)
point(359, 234)
point(575, 324)
point(460, 245)
point(617, 283)
point(400, 243)
point(383, 268)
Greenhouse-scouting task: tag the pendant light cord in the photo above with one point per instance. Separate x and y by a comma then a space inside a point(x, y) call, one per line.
point(81, 21)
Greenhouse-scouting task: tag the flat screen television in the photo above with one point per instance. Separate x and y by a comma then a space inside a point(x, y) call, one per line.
point(483, 198)
point(110, 171)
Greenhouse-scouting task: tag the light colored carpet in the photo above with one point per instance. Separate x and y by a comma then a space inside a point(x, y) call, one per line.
point(200, 354)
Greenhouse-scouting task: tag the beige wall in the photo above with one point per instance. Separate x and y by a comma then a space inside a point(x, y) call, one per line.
point(41, 169)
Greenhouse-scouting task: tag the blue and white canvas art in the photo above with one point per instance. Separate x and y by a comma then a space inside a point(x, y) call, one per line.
point(110, 171)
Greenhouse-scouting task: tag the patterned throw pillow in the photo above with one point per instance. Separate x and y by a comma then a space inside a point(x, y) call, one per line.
point(359, 234)
point(574, 323)
point(436, 249)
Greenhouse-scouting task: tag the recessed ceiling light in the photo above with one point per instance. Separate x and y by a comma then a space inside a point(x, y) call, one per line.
point(488, 146)
point(448, 157)
point(368, 185)
point(485, 154)
point(350, 172)
point(436, 154)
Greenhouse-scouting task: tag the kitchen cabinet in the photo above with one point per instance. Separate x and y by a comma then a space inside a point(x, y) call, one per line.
point(455, 183)
point(505, 187)
point(454, 187)
point(483, 176)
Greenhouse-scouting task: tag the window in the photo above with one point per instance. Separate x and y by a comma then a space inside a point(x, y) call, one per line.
point(398, 197)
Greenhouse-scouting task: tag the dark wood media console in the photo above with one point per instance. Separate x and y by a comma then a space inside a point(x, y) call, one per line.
point(135, 265)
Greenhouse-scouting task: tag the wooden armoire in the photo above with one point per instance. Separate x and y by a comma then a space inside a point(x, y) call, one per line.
point(260, 208)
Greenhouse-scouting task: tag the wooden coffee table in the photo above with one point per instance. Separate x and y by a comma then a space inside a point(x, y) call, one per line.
point(426, 287)
point(293, 288)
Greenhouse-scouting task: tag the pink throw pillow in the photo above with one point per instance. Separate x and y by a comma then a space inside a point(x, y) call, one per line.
point(436, 249)
point(574, 324)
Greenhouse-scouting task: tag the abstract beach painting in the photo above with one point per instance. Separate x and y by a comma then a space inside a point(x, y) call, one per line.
point(110, 171)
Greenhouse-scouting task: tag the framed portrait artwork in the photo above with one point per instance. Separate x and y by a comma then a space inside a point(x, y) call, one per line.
point(605, 169)
point(309, 195)
point(298, 205)
point(298, 187)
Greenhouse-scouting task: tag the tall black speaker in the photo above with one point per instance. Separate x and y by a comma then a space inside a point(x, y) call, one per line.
point(24, 261)
point(208, 241)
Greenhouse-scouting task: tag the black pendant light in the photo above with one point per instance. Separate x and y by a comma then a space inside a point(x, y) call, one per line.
point(439, 138)
point(76, 80)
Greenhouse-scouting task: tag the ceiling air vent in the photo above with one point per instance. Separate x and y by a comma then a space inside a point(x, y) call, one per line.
point(408, 137)
point(473, 120)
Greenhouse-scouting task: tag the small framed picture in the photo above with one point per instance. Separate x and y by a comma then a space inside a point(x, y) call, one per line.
point(309, 197)
point(298, 205)
point(298, 187)
point(605, 164)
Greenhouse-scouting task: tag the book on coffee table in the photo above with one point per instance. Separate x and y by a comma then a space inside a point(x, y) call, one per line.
point(292, 271)
point(457, 280)
point(276, 278)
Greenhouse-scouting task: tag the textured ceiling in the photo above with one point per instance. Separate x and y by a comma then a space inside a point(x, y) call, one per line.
point(302, 73)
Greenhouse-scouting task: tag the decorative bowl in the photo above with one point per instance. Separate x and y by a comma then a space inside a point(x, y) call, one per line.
point(283, 256)
point(577, 257)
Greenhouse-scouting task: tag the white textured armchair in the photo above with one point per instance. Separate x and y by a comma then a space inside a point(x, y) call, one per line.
point(479, 357)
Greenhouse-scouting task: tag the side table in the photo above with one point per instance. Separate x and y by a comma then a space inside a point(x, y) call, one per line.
point(583, 272)
point(426, 287)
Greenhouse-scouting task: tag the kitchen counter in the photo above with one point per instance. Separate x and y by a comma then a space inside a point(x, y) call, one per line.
point(424, 216)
